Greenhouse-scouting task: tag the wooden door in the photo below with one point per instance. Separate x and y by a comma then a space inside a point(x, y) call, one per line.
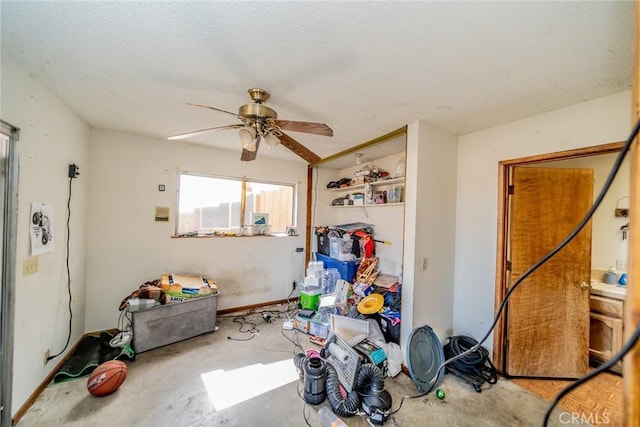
point(548, 315)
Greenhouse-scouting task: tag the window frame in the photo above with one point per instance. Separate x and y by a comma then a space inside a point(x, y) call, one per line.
point(244, 180)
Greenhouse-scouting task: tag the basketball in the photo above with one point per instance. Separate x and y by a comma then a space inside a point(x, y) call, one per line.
point(106, 378)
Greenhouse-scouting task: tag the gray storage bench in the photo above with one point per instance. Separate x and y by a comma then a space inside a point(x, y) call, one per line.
point(173, 322)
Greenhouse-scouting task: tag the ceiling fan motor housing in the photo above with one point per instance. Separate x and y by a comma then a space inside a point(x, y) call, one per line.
point(257, 112)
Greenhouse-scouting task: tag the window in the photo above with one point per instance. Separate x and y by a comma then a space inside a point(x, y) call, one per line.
point(207, 204)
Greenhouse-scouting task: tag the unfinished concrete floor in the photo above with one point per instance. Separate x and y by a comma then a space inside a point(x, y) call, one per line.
point(211, 380)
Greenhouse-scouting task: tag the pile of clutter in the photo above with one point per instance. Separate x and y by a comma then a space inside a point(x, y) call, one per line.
point(356, 356)
point(346, 242)
point(368, 173)
point(168, 289)
point(371, 296)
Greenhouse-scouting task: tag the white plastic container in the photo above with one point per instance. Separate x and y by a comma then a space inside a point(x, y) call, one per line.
point(315, 268)
point(335, 246)
point(328, 419)
point(311, 284)
point(137, 304)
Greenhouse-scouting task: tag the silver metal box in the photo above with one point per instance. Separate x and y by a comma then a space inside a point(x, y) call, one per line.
point(173, 322)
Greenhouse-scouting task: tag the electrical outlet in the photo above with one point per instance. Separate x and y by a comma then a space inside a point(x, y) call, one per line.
point(46, 356)
point(425, 263)
point(73, 170)
point(30, 265)
point(448, 333)
point(621, 265)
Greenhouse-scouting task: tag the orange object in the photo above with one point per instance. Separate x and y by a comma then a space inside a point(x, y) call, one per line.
point(106, 378)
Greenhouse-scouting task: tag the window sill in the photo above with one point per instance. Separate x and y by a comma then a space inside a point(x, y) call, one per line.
point(230, 235)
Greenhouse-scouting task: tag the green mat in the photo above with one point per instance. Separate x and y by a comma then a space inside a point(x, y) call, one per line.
point(92, 352)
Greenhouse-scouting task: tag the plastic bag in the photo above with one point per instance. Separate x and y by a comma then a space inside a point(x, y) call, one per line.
point(394, 358)
point(345, 250)
point(375, 334)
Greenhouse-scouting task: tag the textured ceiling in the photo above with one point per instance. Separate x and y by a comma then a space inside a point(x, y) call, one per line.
point(364, 68)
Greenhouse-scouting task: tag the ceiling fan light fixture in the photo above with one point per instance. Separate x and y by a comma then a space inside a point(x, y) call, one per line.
point(251, 145)
point(271, 140)
point(247, 135)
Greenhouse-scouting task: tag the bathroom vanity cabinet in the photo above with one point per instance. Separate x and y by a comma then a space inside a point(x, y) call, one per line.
point(607, 325)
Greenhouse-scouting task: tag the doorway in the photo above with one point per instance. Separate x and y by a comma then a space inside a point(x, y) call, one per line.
point(502, 257)
point(9, 207)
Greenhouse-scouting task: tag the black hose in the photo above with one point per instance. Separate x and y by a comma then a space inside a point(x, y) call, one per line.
point(343, 407)
point(476, 362)
point(299, 360)
point(370, 377)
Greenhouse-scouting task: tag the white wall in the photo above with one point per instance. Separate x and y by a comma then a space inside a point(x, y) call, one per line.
point(430, 207)
point(126, 247)
point(51, 137)
point(590, 123)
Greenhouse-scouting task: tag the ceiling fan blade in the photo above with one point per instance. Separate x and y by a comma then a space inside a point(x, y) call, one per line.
point(299, 149)
point(247, 155)
point(306, 127)
point(212, 108)
point(201, 131)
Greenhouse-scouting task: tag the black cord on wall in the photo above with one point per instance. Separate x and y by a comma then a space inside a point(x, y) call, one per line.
point(67, 262)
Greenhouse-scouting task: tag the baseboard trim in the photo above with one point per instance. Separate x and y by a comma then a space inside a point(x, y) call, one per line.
point(45, 382)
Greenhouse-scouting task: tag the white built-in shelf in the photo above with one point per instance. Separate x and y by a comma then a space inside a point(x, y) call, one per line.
point(397, 181)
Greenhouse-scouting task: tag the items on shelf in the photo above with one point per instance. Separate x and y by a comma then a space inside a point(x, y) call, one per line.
point(371, 173)
point(368, 174)
point(362, 192)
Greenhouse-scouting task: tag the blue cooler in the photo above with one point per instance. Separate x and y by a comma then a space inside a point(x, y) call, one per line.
point(347, 269)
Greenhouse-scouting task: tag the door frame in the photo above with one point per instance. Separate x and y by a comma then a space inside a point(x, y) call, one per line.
point(8, 276)
point(504, 171)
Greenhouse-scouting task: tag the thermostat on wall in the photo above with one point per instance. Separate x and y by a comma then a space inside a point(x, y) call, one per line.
point(162, 213)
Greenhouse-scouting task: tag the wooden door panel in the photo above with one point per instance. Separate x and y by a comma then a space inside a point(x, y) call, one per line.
point(548, 315)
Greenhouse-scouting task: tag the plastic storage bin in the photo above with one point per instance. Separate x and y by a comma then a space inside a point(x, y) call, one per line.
point(173, 322)
point(323, 244)
point(336, 245)
point(347, 269)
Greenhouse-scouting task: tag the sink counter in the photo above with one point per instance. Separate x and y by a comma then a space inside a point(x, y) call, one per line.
point(609, 291)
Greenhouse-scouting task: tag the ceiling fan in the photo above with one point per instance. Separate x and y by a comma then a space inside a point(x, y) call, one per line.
point(261, 124)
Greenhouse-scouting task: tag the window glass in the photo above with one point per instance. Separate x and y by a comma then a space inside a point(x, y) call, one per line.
point(207, 204)
point(276, 200)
